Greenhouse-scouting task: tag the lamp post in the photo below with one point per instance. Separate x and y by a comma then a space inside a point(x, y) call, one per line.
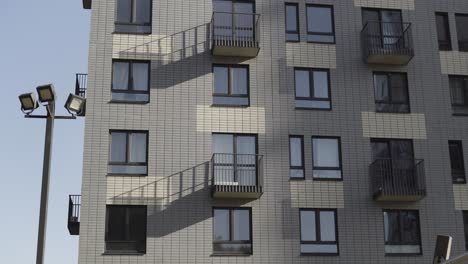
point(75, 106)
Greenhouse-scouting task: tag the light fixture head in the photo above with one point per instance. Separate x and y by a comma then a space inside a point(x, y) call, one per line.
point(28, 102)
point(75, 105)
point(46, 93)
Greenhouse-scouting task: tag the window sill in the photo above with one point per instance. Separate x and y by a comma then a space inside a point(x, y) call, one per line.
point(327, 179)
point(122, 253)
point(128, 102)
point(319, 254)
point(231, 255)
point(297, 179)
point(131, 33)
point(460, 114)
point(318, 42)
point(403, 254)
point(230, 106)
point(125, 175)
point(293, 41)
point(316, 109)
point(392, 112)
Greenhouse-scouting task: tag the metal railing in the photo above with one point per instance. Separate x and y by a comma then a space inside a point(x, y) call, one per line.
point(74, 206)
point(398, 177)
point(235, 29)
point(237, 172)
point(81, 84)
point(387, 38)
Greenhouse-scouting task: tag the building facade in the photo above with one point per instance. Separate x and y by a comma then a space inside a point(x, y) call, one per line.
point(271, 131)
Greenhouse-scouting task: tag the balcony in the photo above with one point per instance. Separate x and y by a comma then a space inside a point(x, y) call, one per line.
point(87, 4)
point(387, 43)
point(235, 34)
point(81, 84)
point(74, 206)
point(397, 180)
point(237, 176)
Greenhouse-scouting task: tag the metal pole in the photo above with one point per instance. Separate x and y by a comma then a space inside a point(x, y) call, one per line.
point(45, 183)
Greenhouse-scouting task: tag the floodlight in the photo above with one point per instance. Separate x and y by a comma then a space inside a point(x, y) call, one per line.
point(28, 102)
point(46, 93)
point(75, 105)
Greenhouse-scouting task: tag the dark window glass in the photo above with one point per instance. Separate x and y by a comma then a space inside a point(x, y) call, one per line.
point(292, 22)
point(391, 92)
point(133, 16)
point(318, 231)
point(320, 24)
point(126, 229)
point(462, 31)
point(326, 153)
point(128, 153)
point(395, 149)
point(465, 224)
point(459, 91)
point(312, 88)
point(443, 31)
point(296, 157)
point(232, 231)
point(234, 159)
point(130, 81)
point(385, 26)
point(402, 232)
point(457, 161)
point(231, 85)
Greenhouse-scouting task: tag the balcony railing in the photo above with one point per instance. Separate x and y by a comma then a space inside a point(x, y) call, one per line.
point(387, 43)
point(74, 206)
point(81, 84)
point(397, 179)
point(235, 34)
point(237, 175)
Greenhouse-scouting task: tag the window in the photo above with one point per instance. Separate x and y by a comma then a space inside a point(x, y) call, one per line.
point(130, 81)
point(458, 91)
point(385, 26)
point(402, 233)
point(312, 88)
point(126, 229)
point(133, 16)
point(235, 159)
point(234, 20)
point(296, 157)
point(462, 31)
point(465, 224)
point(457, 162)
point(391, 92)
point(320, 24)
point(231, 85)
point(128, 153)
point(292, 22)
point(319, 233)
point(232, 231)
point(326, 158)
point(443, 31)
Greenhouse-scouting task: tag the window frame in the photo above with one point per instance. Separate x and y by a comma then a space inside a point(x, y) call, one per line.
point(231, 230)
point(318, 231)
point(291, 167)
point(106, 232)
point(401, 243)
point(465, 90)
point(312, 89)
point(458, 36)
point(390, 91)
point(296, 5)
point(230, 84)
point(444, 46)
point(465, 227)
point(457, 175)
point(133, 5)
point(340, 168)
point(333, 33)
point(130, 89)
point(127, 150)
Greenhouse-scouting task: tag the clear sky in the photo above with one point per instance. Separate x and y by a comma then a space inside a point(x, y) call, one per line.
point(41, 42)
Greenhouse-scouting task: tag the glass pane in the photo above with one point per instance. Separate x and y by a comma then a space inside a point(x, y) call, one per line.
point(221, 78)
point(313, 104)
point(320, 38)
point(327, 226)
point(221, 225)
point(130, 97)
point(295, 145)
point(410, 227)
point(319, 19)
point(241, 228)
point(442, 27)
point(142, 11)
point(230, 100)
point(302, 83)
point(137, 147)
point(308, 232)
point(369, 15)
point(462, 31)
point(402, 149)
point(140, 76)
point(244, 248)
point(381, 87)
point(319, 248)
point(320, 84)
point(391, 227)
point(291, 18)
point(239, 81)
point(399, 88)
point(328, 174)
point(137, 223)
point(128, 169)
point(244, 20)
point(124, 9)
point(391, 26)
point(116, 223)
point(245, 145)
point(118, 147)
point(222, 19)
point(457, 89)
point(223, 143)
point(299, 173)
point(120, 73)
point(326, 152)
point(380, 150)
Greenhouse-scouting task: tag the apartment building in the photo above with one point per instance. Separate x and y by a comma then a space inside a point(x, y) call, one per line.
point(271, 131)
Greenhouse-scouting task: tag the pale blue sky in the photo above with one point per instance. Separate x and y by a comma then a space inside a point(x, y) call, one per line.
point(41, 42)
